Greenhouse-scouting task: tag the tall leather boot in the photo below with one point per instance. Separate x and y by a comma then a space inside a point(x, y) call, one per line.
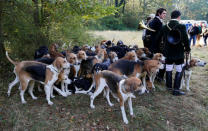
point(177, 83)
point(169, 80)
point(160, 75)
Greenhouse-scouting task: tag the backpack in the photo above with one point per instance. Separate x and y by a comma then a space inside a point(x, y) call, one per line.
point(174, 35)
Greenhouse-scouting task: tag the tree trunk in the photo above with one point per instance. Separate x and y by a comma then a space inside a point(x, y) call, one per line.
point(123, 11)
point(36, 14)
point(2, 49)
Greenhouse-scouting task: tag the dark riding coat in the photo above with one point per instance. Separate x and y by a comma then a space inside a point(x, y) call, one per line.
point(170, 51)
point(156, 25)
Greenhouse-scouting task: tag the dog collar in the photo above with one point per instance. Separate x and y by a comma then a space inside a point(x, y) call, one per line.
point(78, 63)
point(52, 68)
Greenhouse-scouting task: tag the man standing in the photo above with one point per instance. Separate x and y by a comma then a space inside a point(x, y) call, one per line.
point(145, 37)
point(193, 32)
point(156, 24)
point(173, 50)
point(205, 35)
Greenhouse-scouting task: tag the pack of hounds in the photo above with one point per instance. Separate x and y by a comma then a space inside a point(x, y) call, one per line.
point(119, 70)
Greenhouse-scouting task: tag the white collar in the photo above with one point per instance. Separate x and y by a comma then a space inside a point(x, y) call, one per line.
point(175, 20)
point(53, 69)
point(159, 18)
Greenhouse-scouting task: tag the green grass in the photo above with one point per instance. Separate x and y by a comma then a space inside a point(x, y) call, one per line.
point(158, 110)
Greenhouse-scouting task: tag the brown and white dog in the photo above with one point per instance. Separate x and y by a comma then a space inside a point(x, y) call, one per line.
point(63, 76)
point(187, 73)
point(123, 89)
point(128, 68)
point(81, 55)
point(27, 72)
point(140, 53)
point(113, 56)
point(131, 55)
point(152, 67)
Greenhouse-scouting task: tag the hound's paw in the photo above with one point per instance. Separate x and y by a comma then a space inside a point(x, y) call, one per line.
point(65, 95)
point(34, 98)
point(126, 121)
point(111, 104)
point(24, 102)
point(132, 115)
point(68, 93)
point(92, 106)
point(52, 96)
point(50, 103)
point(8, 94)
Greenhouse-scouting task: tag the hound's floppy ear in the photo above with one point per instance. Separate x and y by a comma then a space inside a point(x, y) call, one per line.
point(57, 64)
point(192, 63)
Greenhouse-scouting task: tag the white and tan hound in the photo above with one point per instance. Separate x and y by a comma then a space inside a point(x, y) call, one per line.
point(187, 73)
point(27, 72)
point(122, 89)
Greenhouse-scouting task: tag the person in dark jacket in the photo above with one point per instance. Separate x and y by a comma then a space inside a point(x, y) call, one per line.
point(193, 32)
point(174, 50)
point(205, 35)
point(156, 24)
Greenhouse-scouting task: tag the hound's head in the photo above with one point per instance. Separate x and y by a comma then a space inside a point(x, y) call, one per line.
point(131, 56)
point(102, 54)
point(159, 56)
point(113, 56)
point(81, 55)
point(133, 84)
point(71, 58)
point(197, 62)
point(140, 53)
point(61, 63)
point(152, 66)
point(147, 51)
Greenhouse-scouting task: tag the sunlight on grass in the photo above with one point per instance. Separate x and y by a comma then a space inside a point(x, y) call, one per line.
point(128, 37)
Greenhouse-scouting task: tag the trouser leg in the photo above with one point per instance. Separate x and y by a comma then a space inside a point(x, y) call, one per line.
point(169, 69)
point(177, 81)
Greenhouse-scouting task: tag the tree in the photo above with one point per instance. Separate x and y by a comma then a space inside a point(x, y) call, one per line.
point(2, 48)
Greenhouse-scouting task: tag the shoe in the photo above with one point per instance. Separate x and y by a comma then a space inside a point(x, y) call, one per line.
point(178, 93)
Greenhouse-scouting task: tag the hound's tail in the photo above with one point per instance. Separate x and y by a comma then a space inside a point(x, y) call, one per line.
point(13, 62)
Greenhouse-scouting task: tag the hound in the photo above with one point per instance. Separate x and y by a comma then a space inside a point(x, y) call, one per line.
point(27, 72)
point(187, 73)
point(123, 89)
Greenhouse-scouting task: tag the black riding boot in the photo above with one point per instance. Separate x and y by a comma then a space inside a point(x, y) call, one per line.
point(160, 75)
point(169, 80)
point(177, 83)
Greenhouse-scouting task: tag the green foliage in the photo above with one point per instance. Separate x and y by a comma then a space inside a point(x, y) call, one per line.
point(127, 18)
point(28, 24)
